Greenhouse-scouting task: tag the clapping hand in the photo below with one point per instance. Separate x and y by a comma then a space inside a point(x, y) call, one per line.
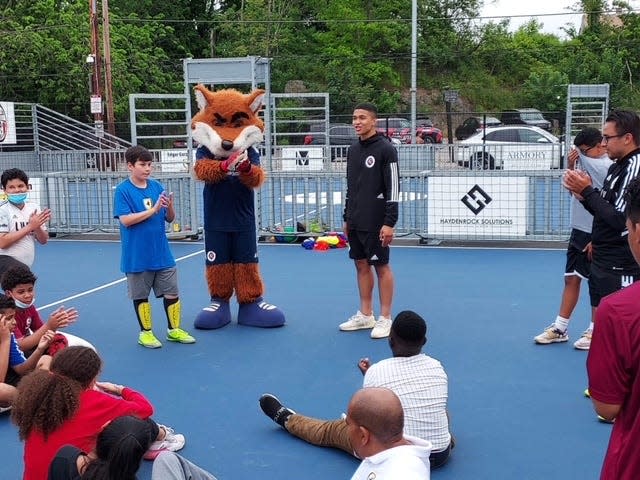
point(62, 317)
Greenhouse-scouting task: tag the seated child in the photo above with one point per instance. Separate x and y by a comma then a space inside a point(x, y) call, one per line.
point(120, 447)
point(18, 282)
point(69, 406)
point(13, 363)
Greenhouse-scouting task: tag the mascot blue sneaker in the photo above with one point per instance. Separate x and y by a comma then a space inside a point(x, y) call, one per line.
point(260, 314)
point(216, 315)
point(227, 128)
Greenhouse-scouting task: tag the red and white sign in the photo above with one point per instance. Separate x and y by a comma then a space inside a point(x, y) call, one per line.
point(96, 104)
point(7, 123)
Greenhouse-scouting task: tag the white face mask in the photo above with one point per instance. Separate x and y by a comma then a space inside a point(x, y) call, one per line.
point(19, 304)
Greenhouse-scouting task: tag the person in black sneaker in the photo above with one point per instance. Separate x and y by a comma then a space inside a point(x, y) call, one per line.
point(418, 380)
point(613, 266)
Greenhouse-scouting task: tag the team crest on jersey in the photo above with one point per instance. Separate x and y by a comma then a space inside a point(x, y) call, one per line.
point(370, 161)
point(147, 203)
point(211, 256)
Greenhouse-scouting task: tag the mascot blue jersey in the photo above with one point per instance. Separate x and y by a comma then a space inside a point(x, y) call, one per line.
point(144, 245)
point(230, 199)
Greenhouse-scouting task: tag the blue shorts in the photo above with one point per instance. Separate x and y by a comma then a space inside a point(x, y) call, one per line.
point(231, 247)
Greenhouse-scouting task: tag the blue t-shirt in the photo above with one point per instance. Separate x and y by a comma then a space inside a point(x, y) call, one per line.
point(144, 245)
point(16, 356)
point(230, 199)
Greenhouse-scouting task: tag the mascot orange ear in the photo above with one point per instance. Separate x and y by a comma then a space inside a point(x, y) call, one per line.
point(205, 97)
point(254, 100)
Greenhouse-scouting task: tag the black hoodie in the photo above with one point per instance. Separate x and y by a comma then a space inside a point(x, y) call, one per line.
point(373, 186)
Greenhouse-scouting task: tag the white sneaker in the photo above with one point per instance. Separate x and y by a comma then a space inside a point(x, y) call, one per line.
point(382, 328)
point(584, 342)
point(551, 335)
point(171, 442)
point(359, 321)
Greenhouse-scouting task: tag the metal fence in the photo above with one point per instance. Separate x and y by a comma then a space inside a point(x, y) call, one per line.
point(440, 200)
point(445, 193)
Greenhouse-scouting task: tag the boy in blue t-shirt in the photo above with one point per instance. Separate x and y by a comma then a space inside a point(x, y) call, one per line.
point(13, 363)
point(142, 207)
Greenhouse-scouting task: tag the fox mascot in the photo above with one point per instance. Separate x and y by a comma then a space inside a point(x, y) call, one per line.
point(227, 128)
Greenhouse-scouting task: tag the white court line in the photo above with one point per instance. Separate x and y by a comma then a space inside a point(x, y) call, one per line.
point(106, 285)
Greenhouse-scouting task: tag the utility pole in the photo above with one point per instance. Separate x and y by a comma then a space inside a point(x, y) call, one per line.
point(96, 83)
point(106, 41)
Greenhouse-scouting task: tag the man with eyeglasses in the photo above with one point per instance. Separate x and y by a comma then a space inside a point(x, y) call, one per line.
point(613, 266)
point(590, 156)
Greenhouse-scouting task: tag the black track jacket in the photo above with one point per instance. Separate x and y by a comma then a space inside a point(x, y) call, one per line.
point(373, 186)
point(609, 233)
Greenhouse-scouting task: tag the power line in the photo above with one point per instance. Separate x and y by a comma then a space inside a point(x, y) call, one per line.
point(311, 21)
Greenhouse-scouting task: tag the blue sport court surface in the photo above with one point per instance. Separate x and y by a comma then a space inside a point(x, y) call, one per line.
point(517, 409)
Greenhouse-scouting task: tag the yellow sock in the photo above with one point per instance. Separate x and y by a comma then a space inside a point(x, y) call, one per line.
point(172, 308)
point(143, 310)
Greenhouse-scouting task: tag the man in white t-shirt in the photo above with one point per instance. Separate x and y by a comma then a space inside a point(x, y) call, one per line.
point(21, 222)
point(418, 380)
point(375, 424)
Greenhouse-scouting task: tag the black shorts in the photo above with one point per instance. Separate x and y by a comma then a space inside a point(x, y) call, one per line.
point(603, 282)
point(367, 245)
point(577, 260)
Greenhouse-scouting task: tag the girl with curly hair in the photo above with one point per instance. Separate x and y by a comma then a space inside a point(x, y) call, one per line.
point(68, 406)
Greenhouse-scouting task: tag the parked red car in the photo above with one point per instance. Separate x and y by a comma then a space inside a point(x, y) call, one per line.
point(400, 129)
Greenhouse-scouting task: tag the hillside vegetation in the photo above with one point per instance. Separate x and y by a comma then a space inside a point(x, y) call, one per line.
point(356, 50)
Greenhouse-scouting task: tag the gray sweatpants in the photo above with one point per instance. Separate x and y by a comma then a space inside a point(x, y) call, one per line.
point(171, 466)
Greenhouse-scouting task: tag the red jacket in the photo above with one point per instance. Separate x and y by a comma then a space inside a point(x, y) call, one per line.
point(95, 410)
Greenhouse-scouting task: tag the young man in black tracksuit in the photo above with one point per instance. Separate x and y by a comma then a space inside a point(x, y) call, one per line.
point(370, 214)
point(613, 266)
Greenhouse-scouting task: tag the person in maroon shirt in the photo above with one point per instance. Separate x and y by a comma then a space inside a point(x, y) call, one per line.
point(613, 363)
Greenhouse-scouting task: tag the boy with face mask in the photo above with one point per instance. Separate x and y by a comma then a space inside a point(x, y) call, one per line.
point(18, 283)
point(21, 221)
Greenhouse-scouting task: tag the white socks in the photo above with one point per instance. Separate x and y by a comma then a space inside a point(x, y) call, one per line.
point(561, 323)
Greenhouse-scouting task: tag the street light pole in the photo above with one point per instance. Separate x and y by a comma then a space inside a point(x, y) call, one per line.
point(414, 67)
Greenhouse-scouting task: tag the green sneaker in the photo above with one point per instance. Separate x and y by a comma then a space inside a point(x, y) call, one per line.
point(148, 339)
point(179, 335)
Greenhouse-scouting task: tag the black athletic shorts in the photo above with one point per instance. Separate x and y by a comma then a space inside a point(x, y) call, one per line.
point(603, 282)
point(367, 245)
point(577, 260)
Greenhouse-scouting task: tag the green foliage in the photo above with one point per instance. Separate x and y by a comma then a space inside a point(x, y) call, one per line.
point(356, 50)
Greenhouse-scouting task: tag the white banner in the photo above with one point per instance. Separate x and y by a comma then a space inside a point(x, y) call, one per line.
point(477, 206)
point(302, 158)
point(7, 124)
point(176, 160)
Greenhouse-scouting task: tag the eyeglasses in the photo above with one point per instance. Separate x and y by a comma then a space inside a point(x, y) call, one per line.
point(606, 138)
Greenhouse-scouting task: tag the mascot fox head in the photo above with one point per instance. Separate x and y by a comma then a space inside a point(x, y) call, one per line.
point(227, 121)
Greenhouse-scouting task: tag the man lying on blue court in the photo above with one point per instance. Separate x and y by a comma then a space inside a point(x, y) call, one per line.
point(418, 380)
